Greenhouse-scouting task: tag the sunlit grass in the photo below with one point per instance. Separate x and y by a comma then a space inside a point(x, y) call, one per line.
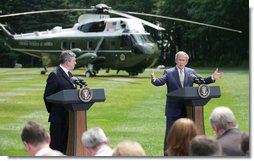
point(134, 109)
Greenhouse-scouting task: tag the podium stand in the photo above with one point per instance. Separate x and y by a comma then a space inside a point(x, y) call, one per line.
point(77, 116)
point(194, 103)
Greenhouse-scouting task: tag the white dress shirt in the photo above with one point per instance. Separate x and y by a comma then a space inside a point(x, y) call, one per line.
point(43, 151)
point(104, 151)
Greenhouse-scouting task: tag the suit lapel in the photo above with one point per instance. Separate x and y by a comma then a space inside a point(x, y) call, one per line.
point(186, 77)
point(64, 74)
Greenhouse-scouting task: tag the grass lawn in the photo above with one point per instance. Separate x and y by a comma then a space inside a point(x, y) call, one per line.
point(134, 109)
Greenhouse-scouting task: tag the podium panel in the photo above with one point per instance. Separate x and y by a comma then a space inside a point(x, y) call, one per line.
point(69, 98)
point(194, 103)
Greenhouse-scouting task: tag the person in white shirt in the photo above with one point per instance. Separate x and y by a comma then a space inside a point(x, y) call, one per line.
point(36, 140)
point(96, 143)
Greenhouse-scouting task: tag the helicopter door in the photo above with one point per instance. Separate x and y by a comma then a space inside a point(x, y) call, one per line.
point(125, 41)
point(113, 45)
point(72, 45)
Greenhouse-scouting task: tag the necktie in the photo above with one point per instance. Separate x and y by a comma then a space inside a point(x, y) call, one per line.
point(70, 74)
point(181, 77)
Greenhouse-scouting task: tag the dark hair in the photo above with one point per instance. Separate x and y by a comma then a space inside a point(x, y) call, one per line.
point(245, 143)
point(66, 55)
point(34, 134)
point(202, 145)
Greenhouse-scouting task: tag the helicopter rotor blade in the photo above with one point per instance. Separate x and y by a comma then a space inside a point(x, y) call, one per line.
point(187, 21)
point(132, 17)
point(44, 11)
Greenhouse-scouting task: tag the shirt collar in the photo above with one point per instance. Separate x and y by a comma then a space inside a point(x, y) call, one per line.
point(178, 69)
point(64, 69)
point(104, 151)
point(43, 151)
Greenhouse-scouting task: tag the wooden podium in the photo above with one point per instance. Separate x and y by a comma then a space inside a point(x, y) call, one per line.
point(77, 116)
point(194, 103)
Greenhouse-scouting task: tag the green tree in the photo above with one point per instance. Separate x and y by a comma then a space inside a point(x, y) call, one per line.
point(209, 46)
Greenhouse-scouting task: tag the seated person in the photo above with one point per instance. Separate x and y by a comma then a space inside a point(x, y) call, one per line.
point(96, 143)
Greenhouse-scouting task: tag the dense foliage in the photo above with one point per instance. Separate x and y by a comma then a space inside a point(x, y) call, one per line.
point(206, 46)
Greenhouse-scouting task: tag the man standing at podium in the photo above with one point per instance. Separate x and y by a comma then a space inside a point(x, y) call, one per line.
point(59, 80)
point(175, 78)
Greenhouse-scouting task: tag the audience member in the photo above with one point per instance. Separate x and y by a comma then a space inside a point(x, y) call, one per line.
point(245, 144)
point(36, 139)
point(96, 143)
point(180, 135)
point(224, 124)
point(128, 148)
point(202, 145)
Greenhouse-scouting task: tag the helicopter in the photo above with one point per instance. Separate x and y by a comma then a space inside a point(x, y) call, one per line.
point(99, 41)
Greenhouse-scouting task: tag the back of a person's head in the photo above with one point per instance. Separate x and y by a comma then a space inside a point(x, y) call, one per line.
point(223, 118)
point(33, 133)
point(128, 148)
point(66, 55)
point(93, 137)
point(202, 145)
point(180, 134)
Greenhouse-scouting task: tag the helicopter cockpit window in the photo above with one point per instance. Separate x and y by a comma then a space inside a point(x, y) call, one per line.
point(93, 27)
point(143, 38)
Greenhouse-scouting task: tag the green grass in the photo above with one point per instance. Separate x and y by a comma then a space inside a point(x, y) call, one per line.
point(134, 109)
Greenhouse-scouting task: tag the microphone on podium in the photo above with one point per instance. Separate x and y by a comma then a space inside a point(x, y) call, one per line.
point(75, 81)
point(81, 81)
point(78, 81)
point(197, 79)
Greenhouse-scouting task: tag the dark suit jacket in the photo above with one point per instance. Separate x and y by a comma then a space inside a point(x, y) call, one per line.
point(230, 142)
point(176, 108)
point(57, 81)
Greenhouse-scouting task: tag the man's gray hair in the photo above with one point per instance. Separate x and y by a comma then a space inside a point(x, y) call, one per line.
point(223, 117)
point(181, 53)
point(66, 55)
point(93, 137)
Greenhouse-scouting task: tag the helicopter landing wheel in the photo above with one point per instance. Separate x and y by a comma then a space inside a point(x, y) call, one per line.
point(90, 74)
point(43, 72)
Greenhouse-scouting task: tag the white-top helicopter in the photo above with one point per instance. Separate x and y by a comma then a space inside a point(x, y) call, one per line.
point(98, 41)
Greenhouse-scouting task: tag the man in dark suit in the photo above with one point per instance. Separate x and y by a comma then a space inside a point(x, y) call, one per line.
point(229, 136)
point(175, 78)
point(58, 115)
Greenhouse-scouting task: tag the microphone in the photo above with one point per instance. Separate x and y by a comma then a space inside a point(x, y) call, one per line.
point(197, 78)
point(81, 81)
point(75, 81)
